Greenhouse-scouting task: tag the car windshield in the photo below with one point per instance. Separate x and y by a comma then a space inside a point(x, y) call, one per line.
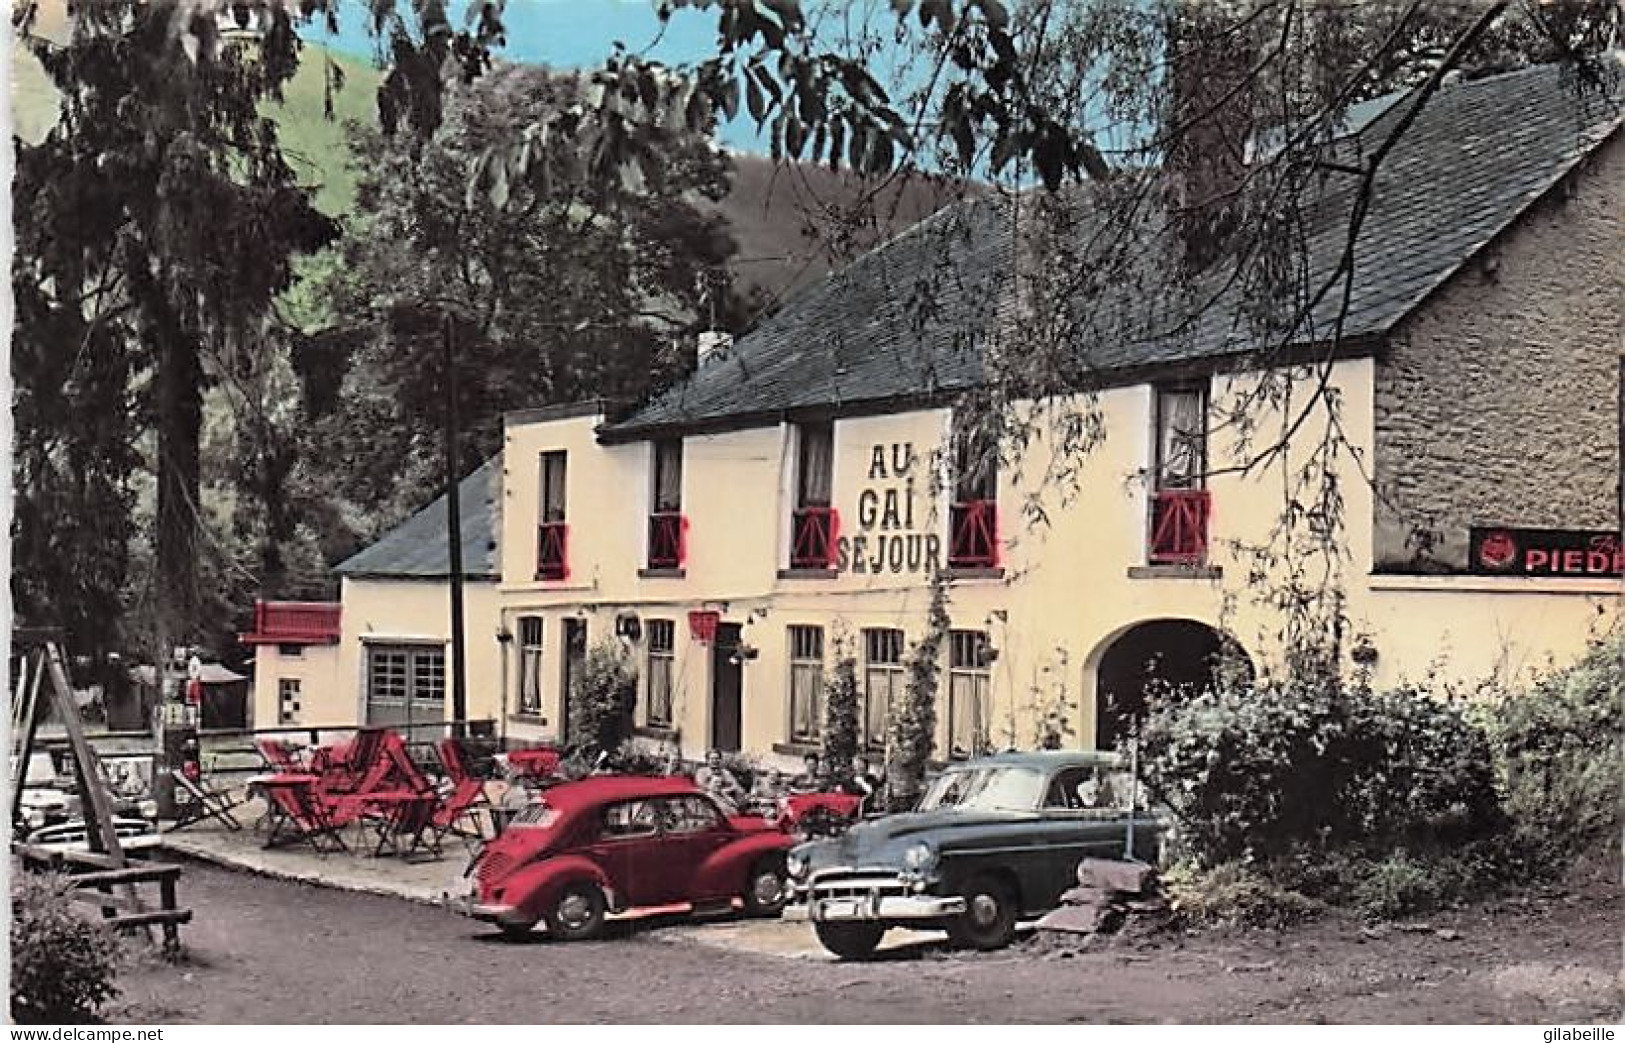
point(1000, 788)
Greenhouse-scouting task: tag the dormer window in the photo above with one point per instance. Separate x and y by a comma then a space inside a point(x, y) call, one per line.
point(666, 522)
point(551, 531)
point(973, 534)
point(1179, 503)
point(812, 523)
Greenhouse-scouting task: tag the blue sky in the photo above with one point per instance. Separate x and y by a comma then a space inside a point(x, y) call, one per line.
point(576, 34)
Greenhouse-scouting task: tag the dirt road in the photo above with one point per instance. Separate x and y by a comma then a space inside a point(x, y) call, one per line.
point(268, 951)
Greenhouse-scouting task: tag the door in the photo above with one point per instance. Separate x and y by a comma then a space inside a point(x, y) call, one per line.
point(691, 828)
point(574, 661)
point(727, 688)
point(406, 684)
point(628, 850)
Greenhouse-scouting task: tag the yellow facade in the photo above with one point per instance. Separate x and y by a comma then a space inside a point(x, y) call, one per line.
point(1066, 589)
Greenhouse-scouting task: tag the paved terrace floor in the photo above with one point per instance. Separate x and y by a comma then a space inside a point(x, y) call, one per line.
point(426, 880)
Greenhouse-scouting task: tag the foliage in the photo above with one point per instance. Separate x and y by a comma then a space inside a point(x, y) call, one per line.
point(604, 697)
point(161, 225)
point(569, 289)
point(1234, 893)
point(913, 726)
point(1256, 771)
point(63, 966)
point(1558, 751)
point(842, 709)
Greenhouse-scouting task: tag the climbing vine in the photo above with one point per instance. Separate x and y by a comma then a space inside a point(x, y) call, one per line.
point(913, 726)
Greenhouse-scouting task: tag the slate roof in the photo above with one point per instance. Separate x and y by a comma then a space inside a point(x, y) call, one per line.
point(877, 335)
point(416, 548)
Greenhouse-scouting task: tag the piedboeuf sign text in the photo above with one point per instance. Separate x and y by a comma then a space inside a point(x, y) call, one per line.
point(1570, 553)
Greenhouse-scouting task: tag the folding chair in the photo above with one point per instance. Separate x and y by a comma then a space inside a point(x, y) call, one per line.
point(409, 821)
point(297, 807)
point(207, 802)
point(467, 797)
point(279, 756)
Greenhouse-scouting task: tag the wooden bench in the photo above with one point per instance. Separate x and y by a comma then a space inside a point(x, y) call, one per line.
point(94, 876)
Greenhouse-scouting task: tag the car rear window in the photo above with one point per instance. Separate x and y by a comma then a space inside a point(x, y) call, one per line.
point(536, 816)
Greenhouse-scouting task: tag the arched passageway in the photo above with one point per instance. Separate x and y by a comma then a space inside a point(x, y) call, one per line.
point(1176, 652)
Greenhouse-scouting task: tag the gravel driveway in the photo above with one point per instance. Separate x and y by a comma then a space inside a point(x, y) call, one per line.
point(270, 951)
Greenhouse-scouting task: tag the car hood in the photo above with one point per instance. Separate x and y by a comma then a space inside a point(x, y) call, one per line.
point(882, 841)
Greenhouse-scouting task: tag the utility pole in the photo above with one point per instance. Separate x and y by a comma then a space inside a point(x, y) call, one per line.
point(454, 534)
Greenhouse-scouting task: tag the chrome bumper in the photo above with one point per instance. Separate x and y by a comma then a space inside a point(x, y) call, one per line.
point(875, 907)
point(464, 900)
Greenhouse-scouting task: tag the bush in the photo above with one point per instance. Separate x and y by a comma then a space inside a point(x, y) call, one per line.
point(62, 965)
point(1558, 751)
point(1262, 771)
point(604, 697)
point(1234, 894)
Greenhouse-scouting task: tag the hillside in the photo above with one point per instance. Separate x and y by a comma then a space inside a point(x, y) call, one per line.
point(785, 218)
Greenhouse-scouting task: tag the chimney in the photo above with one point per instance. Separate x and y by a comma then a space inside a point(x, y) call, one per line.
point(714, 344)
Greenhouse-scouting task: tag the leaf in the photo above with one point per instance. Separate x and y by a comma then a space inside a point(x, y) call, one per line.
point(727, 97)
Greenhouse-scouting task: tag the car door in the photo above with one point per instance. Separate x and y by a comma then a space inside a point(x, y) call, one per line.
point(692, 828)
point(627, 849)
point(1074, 829)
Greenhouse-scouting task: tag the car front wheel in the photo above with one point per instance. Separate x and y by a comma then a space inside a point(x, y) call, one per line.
point(850, 941)
point(766, 889)
point(989, 919)
point(578, 914)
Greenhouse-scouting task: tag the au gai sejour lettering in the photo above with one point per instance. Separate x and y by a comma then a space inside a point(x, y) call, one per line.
point(887, 540)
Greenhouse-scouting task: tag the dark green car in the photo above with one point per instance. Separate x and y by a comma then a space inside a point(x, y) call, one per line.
point(992, 841)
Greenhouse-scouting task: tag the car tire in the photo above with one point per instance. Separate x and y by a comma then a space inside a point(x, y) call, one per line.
point(850, 941)
point(761, 899)
point(517, 932)
point(989, 919)
point(578, 914)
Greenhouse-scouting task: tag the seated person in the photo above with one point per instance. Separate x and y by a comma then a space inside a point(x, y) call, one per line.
point(768, 786)
point(813, 778)
point(718, 781)
point(862, 782)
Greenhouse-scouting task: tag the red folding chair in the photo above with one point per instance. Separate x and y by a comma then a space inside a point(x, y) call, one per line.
point(297, 810)
point(279, 756)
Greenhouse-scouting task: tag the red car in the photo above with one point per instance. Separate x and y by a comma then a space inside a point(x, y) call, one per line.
point(610, 843)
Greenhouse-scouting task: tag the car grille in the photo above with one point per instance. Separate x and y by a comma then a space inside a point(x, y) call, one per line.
point(492, 866)
point(847, 884)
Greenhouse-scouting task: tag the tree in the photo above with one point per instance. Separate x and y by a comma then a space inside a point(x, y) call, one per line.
point(566, 288)
point(160, 222)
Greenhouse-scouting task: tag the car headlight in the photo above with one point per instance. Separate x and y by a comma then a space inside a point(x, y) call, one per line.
point(920, 858)
point(795, 863)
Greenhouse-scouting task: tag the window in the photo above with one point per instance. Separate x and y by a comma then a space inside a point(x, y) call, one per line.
point(1180, 504)
point(551, 531)
point(689, 815)
point(636, 818)
point(288, 693)
point(662, 649)
point(530, 665)
point(812, 524)
point(969, 686)
point(291, 651)
point(405, 684)
point(806, 683)
point(666, 519)
point(882, 681)
point(973, 516)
